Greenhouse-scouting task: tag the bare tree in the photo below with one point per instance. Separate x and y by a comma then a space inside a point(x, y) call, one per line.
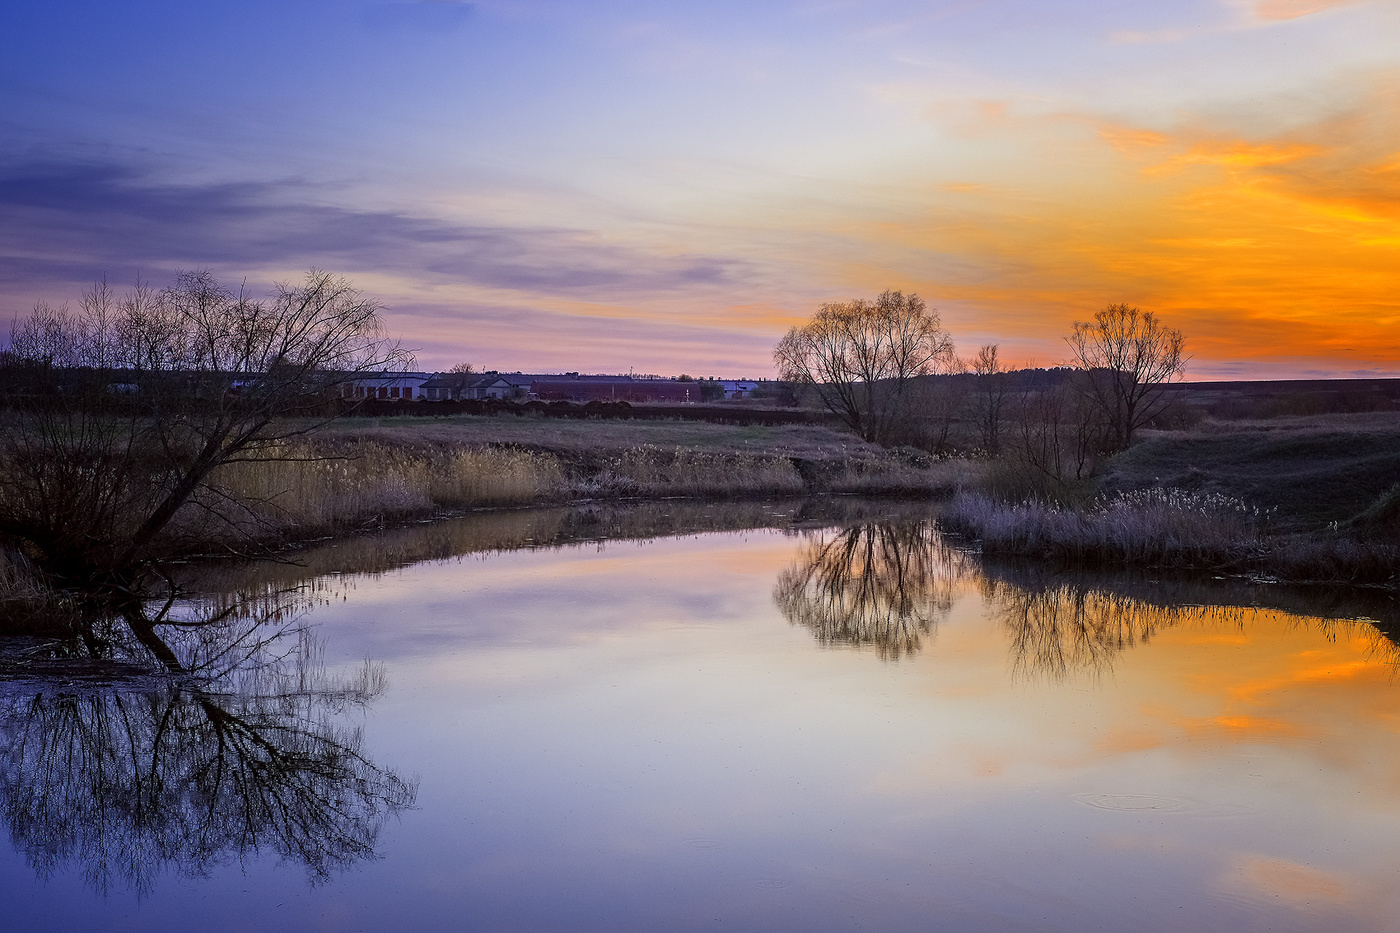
point(1129, 355)
point(861, 357)
point(122, 410)
point(993, 393)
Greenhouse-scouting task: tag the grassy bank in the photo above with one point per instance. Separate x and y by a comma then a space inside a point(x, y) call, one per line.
point(368, 472)
point(1165, 529)
point(1298, 499)
point(1309, 472)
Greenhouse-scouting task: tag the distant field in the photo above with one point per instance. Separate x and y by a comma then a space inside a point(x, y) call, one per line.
point(570, 435)
point(1313, 470)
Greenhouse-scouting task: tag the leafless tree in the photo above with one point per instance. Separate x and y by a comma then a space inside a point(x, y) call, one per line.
point(120, 411)
point(1056, 435)
point(861, 358)
point(1129, 355)
point(993, 393)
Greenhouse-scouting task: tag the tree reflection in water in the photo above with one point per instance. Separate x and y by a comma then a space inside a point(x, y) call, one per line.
point(169, 740)
point(1057, 630)
point(877, 584)
point(887, 585)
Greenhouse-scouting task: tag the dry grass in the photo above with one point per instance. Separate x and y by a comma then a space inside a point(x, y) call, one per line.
point(1152, 527)
point(1313, 471)
point(1168, 529)
point(28, 605)
point(654, 472)
point(347, 482)
point(301, 489)
point(568, 435)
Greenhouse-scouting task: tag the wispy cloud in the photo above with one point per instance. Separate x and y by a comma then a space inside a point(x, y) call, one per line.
point(1272, 10)
point(78, 220)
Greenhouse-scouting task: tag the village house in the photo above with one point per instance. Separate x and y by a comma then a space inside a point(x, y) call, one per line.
point(738, 388)
point(456, 387)
point(573, 387)
point(385, 386)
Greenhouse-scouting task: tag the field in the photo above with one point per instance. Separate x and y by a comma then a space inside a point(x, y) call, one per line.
point(1308, 472)
point(568, 436)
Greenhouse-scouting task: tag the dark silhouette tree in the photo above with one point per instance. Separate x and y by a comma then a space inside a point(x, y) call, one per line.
point(993, 395)
point(121, 411)
point(1129, 355)
point(862, 357)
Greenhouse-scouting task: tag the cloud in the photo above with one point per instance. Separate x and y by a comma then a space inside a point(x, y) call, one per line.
point(73, 221)
point(1273, 250)
point(1249, 14)
point(1292, 9)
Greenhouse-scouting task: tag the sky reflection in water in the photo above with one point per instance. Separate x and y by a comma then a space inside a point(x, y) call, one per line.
point(822, 731)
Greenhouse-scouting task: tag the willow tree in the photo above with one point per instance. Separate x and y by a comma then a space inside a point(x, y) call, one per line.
point(121, 411)
point(862, 357)
point(1129, 355)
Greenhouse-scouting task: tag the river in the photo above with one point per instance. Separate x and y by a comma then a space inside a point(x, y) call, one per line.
point(778, 716)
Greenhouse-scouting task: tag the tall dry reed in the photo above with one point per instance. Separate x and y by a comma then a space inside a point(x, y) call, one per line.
point(298, 490)
point(1150, 527)
point(656, 471)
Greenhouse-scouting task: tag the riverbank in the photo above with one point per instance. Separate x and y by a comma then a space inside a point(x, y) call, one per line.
point(1162, 529)
point(1299, 499)
point(1282, 499)
point(368, 472)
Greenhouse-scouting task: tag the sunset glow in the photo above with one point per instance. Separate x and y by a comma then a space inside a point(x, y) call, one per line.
point(666, 188)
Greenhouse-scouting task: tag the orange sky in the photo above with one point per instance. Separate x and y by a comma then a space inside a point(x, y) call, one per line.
point(527, 186)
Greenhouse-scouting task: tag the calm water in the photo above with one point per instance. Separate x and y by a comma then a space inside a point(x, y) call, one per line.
point(785, 728)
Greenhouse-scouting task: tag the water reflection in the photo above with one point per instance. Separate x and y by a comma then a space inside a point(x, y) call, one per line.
point(1061, 626)
point(887, 585)
point(877, 584)
point(179, 738)
point(489, 532)
point(1058, 630)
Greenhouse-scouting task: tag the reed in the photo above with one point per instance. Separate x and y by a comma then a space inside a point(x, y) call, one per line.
point(302, 489)
point(29, 605)
point(649, 471)
point(1169, 529)
point(1147, 527)
point(341, 483)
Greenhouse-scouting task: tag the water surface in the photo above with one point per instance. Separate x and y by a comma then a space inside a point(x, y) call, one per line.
point(554, 722)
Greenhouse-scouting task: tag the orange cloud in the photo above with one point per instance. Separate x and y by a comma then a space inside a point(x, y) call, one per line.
point(1266, 250)
point(1131, 139)
point(1292, 9)
point(1241, 154)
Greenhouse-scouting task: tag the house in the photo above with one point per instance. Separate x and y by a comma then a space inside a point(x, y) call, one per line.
point(738, 388)
point(385, 386)
point(572, 387)
point(457, 387)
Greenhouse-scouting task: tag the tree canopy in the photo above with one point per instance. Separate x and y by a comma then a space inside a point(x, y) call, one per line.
point(861, 356)
point(122, 409)
point(1129, 355)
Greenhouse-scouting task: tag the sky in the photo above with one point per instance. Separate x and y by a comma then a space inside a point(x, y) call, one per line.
point(667, 188)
